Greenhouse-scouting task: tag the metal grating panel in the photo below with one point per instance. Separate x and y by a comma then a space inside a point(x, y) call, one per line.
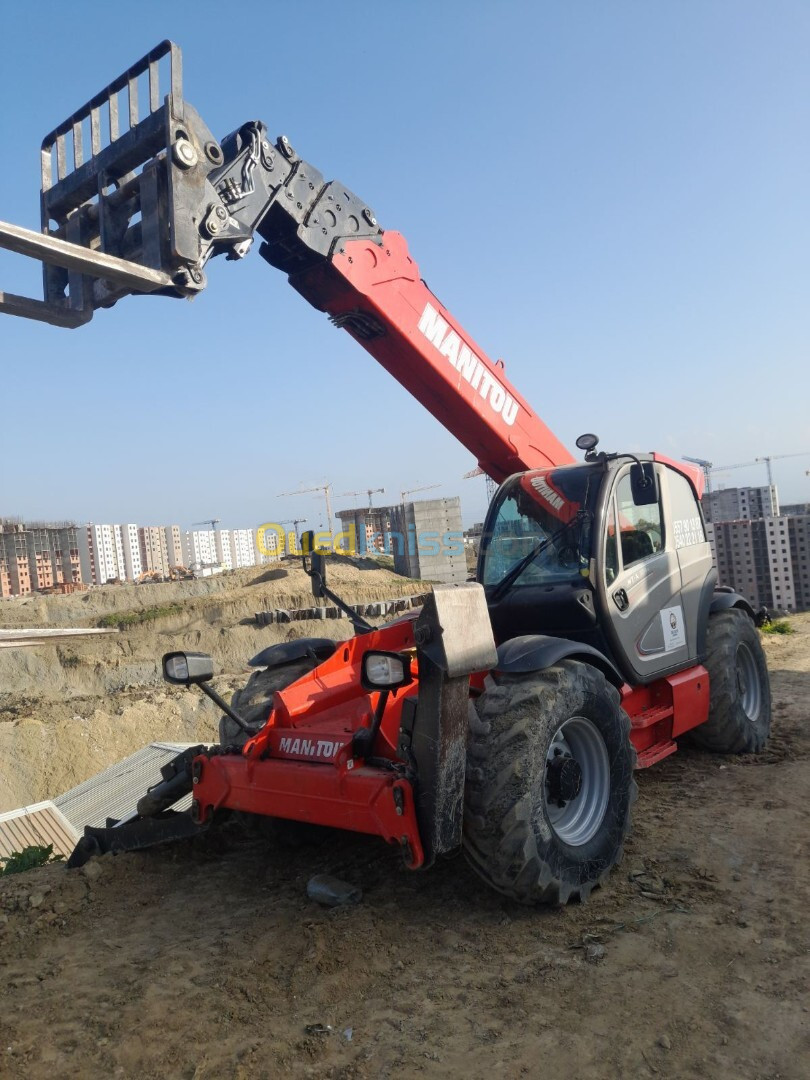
point(114, 793)
point(40, 824)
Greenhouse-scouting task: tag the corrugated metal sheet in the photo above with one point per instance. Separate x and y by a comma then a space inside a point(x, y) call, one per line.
point(114, 793)
point(40, 824)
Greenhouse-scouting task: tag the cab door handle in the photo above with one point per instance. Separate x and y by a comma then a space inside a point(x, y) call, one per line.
point(621, 600)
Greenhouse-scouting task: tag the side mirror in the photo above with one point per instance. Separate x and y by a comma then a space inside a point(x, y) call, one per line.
point(314, 563)
point(186, 669)
point(317, 573)
point(644, 484)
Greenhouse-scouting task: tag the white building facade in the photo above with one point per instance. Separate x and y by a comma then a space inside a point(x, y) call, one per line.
point(101, 554)
point(131, 550)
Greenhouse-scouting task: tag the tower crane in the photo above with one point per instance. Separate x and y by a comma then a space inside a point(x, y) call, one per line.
point(368, 491)
point(295, 522)
point(491, 485)
point(766, 459)
point(707, 467)
point(326, 490)
point(777, 457)
point(211, 522)
point(412, 491)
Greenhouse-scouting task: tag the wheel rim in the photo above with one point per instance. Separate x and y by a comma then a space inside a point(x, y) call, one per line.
point(578, 777)
point(748, 686)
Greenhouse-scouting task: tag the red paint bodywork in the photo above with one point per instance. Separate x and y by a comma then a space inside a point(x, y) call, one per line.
point(275, 777)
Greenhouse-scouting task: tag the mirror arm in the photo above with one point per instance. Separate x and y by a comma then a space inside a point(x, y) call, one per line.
point(220, 702)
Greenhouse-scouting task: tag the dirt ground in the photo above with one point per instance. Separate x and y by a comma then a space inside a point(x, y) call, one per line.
point(208, 960)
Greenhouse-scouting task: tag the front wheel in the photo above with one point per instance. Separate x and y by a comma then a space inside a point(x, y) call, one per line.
point(739, 687)
point(549, 783)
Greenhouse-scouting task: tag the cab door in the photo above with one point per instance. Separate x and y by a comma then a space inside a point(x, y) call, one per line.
point(640, 583)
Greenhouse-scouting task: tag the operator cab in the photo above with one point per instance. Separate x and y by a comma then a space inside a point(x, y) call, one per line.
point(611, 553)
point(536, 552)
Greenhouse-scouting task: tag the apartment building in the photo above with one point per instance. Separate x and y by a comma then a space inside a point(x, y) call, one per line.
point(5, 578)
point(131, 547)
point(243, 548)
point(799, 542)
point(200, 550)
point(766, 560)
point(741, 503)
point(222, 546)
point(174, 545)
point(40, 560)
point(36, 557)
point(65, 548)
point(101, 554)
point(224, 549)
point(273, 546)
point(15, 560)
point(45, 556)
point(370, 525)
point(154, 549)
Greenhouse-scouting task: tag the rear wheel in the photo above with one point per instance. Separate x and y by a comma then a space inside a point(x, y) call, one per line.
point(550, 784)
point(254, 701)
point(739, 687)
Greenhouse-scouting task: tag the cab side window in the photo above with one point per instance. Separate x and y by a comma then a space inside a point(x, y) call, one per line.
point(687, 521)
point(641, 531)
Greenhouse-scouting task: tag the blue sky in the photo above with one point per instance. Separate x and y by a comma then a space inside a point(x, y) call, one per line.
point(613, 197)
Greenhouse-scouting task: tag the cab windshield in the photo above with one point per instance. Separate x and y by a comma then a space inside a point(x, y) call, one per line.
point(539, 528)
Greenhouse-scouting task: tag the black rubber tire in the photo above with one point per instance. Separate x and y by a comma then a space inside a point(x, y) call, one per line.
point(734, 651)
point(508, 836)
point(253, 701)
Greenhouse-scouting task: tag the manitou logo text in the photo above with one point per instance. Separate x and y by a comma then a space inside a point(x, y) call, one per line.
point(311, 748)
point(552, 498)
point(467, 364)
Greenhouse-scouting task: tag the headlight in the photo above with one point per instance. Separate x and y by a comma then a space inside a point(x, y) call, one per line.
point(177, 668)
point(184, 669)
point(382, 671)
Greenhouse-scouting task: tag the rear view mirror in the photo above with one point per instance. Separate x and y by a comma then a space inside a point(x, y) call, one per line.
point(644, 483)
point(317, 572)
point(314, 563)
point(185, 669)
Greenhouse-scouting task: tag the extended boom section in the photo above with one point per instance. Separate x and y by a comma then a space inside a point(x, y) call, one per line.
point(138, 195)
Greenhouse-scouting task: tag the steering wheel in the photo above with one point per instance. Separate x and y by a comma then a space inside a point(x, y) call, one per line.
point(568, 557)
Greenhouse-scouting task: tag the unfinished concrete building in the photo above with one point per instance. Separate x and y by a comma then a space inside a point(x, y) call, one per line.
point(37, 557)
point(427, 540)
point(370, 525)
point(741, 503)
point(15, 556)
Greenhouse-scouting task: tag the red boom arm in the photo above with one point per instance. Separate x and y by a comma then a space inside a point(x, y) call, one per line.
point(377, 294)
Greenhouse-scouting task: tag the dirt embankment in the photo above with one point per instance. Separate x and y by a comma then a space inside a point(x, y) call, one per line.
point(207, 960)
point(69, 710)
